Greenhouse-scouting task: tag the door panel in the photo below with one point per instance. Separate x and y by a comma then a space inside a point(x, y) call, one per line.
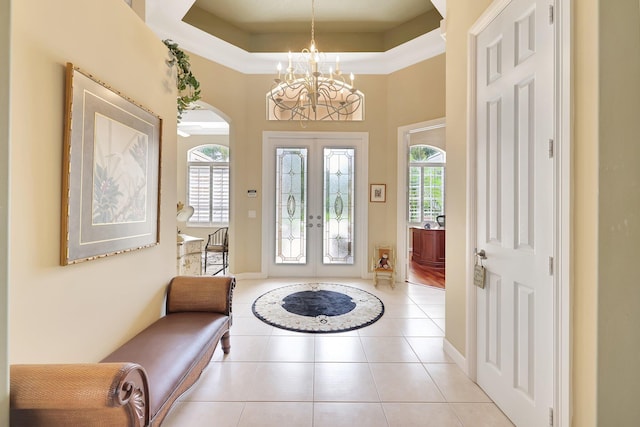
point(291, 206)
point(514, 211)
point(338, 205)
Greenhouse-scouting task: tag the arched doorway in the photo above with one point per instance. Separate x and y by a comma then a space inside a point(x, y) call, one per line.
point(203, 171)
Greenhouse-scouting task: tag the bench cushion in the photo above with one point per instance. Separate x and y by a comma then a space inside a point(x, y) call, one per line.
point(169, 349)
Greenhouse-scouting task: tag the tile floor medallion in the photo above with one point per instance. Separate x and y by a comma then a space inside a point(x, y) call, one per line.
point(318, 307)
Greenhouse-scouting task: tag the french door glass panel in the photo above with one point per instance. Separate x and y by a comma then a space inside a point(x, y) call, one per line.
point(338, 205)
point(291, 206)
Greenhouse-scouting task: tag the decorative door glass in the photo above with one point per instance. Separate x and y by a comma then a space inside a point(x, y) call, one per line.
point(338, 200)
point(291, 206)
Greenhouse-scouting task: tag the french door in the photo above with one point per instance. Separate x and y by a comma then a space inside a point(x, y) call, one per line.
point(314, 215)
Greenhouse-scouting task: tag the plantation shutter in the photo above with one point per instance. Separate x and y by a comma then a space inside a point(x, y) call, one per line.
point(426, 193)
point(220, 194)
point(209, 193)
point(415, 194)
point(199, 192)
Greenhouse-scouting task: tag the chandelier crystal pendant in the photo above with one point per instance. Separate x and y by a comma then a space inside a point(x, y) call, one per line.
point(308, 91)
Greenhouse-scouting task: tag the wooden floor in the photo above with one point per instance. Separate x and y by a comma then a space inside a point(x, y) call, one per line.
point(421, 275)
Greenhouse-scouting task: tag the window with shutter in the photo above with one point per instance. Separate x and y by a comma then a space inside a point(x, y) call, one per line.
point(426, 184)
point(208, 185)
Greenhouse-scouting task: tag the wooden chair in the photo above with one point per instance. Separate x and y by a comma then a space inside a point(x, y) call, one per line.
point(383, 264)
point(218, 242)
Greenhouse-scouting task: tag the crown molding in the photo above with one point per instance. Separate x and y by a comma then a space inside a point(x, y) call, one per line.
point(165, 19)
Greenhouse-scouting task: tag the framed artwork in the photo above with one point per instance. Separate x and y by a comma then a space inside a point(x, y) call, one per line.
point(111, 172)
point(378, 193)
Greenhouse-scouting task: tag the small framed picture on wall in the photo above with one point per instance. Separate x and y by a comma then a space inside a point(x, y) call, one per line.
point(378, 193)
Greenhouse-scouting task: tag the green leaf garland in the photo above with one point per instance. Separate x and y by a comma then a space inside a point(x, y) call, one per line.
point(186, 83)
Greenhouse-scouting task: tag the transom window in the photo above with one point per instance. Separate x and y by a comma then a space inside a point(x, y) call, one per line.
point(426, 183)
point(208, 185)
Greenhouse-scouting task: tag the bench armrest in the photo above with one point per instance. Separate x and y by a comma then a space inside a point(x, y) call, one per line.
point(76, 394)
point(200, 293)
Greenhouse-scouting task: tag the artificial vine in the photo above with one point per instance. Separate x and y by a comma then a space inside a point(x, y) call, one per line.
point(188, 86)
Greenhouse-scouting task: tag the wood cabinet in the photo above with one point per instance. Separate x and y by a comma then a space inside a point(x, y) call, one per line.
point(428, 247)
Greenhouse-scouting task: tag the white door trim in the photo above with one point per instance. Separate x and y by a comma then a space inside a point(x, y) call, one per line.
point(563, 279)
point(404, 133)
point(361, 140)
point(562, 199)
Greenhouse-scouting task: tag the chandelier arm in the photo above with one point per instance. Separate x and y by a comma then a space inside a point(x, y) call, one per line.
point(329, 92)
point(306, 91)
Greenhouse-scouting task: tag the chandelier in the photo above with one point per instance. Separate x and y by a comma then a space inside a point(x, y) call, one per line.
point(308, 91)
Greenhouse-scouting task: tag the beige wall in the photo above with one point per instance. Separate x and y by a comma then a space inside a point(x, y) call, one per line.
point(412, 95)
point(139, 7)
point(460, 17)
point(4, 197)
point(605, 293)
point(415, 94)
point(585, 205)
point(618, 298)
point(433, 137)
point(78, 312)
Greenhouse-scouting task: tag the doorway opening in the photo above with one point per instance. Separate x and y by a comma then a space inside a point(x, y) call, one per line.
point(203, 184)
point(421, 209)
point(426, 216)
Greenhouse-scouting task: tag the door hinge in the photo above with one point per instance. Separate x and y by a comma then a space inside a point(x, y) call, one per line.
point(551, 148)
point(551, 14)
point(551, 417)
point(550, 266)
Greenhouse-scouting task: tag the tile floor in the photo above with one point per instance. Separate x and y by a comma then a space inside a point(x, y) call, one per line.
point(393, 373)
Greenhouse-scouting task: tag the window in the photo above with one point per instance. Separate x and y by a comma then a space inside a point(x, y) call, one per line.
point(426, 183)
point(208, 184)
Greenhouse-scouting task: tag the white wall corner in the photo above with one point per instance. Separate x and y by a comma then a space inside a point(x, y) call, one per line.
point(441, 7)
point(455, 355)
point(443, 29)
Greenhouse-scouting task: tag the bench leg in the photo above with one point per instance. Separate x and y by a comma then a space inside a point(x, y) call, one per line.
point(226, 342)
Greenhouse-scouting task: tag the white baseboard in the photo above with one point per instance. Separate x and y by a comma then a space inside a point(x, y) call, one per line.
point(454, 354)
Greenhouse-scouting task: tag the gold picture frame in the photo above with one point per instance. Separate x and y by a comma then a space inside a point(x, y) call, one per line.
point(378, 193)
point(111, 172)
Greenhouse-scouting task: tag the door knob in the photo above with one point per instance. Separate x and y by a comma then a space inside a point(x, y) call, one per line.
point(481, 253)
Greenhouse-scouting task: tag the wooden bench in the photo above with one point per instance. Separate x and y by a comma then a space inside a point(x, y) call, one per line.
point(137, 383)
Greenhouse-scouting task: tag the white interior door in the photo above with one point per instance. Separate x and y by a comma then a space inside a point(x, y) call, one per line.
point(515, 210)
point(314, 206)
